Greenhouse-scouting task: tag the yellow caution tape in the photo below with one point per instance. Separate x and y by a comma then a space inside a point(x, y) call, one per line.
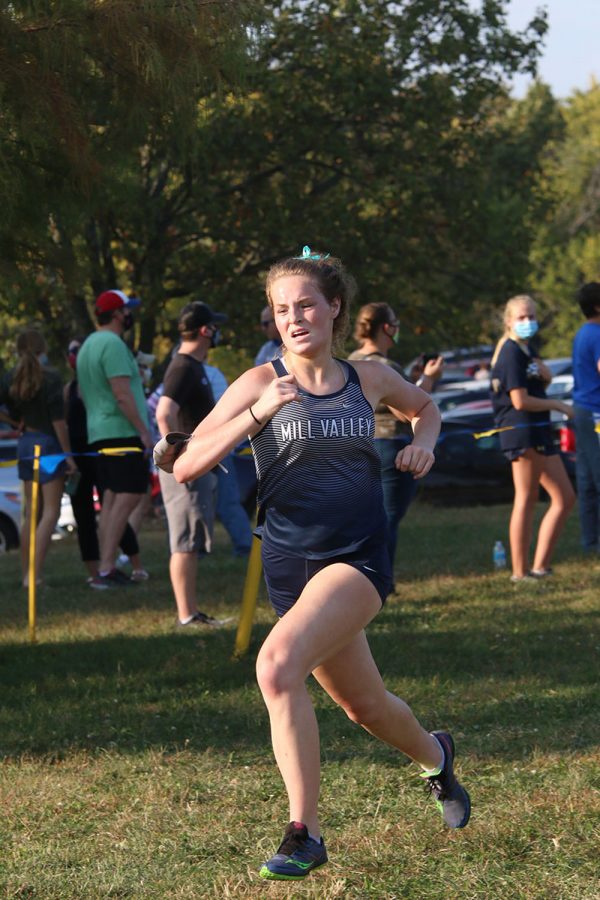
point(482, 434)
point(119, 451)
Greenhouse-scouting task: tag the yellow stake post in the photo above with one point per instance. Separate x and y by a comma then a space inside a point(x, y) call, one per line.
point(32, 535)
point(249, 598)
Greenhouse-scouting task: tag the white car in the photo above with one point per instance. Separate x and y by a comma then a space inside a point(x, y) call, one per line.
point(11, 502)
point(10, 517)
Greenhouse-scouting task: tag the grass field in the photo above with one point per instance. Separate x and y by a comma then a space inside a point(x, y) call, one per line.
point(136, 760)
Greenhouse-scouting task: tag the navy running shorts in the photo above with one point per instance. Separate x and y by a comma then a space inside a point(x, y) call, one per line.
point(286, 576)
point(542, 449)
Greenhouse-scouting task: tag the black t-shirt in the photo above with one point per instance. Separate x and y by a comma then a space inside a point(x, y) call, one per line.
point(513, 369)
point(76, 419)
point(44, 408)
point(186, 383)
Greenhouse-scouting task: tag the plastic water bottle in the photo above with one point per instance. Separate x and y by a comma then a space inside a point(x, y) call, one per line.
point(499, 555)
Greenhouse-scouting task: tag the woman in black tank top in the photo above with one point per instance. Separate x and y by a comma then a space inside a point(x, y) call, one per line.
point(311, 425)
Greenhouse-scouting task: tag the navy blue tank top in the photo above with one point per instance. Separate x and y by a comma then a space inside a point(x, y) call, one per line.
point(319, 475)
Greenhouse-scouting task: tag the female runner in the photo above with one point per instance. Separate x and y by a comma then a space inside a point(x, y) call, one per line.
point(310, 419)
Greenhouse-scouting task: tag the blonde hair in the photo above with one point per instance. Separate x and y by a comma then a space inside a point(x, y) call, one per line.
point(333, 282)
point(506, 317)
point(28, 375)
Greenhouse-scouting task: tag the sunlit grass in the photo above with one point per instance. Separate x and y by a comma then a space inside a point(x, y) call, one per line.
point(137, 762)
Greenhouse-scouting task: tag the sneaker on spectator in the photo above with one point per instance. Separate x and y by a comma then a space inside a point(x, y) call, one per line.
point(200, 618)
point(542, 573)
point(114, 579)
point(140, 575)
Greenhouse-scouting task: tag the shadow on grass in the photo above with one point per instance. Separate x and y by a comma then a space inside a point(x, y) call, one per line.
point(129, 693)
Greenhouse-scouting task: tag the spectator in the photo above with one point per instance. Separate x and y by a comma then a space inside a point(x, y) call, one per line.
point(112, 391)
point(229, 508)
point(82, 495)
point(136, 519)
point(33, 395)
point(377, 328)
point(190, 508)
point(586, 397)
point(272, 346)
point(522, 410)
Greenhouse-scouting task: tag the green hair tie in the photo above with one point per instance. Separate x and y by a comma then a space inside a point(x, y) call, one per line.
point(307, 254)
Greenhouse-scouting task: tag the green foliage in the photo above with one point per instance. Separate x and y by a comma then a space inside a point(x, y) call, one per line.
point(84, 87)
point(381, 131)
point(566, 252)
point(231, 361)
point(368, 130)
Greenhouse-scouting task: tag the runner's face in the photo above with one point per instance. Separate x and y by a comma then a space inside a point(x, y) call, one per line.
point(303, 316)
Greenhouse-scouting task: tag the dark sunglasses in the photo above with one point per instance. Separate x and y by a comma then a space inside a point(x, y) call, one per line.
point(266, 323)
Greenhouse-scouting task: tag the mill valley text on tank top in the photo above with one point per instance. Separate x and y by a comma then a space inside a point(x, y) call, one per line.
point(319, 484)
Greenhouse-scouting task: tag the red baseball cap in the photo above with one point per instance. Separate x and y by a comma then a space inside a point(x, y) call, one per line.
point(109, 300)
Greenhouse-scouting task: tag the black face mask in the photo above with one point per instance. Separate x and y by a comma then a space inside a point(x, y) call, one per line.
point(127, 321)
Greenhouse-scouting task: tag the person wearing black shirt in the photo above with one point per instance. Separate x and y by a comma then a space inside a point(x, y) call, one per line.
point(186, 400)
point(519, 380)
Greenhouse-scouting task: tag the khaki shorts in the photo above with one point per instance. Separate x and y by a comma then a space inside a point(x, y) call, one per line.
point(190, 511)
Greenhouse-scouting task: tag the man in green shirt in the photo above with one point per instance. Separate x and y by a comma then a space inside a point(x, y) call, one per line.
point(111, 388)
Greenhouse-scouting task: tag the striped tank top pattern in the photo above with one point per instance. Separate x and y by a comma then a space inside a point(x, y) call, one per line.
point(319, 474)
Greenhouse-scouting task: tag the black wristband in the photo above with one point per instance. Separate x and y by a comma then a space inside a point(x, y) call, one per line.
point(258, 422)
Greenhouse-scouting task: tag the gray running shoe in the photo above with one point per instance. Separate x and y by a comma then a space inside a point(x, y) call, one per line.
point(451, 798)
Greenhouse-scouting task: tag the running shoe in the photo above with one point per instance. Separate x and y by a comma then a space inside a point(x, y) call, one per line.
point(200, 618)
point(542, 573)
point(451, 798)
point(114, 579)
point(120, 579)
point(139, 575)
point(296, 857)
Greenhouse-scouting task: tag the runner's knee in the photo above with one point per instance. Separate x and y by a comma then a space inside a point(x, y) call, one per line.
point(276, 673)
point(365, 709)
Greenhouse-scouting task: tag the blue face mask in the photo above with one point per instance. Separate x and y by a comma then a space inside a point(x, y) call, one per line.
point(525, 330)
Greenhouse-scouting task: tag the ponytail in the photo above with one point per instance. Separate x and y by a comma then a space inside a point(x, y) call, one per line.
point(28, 375)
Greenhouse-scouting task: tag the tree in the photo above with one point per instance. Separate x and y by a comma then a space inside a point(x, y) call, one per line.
point(365, 127)
point(84, 85)
point(566, 252)
point(371, 129)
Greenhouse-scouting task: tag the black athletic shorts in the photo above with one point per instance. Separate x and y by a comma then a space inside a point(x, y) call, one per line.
point(287, 576)
point(127, 474)
point(542, 449)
